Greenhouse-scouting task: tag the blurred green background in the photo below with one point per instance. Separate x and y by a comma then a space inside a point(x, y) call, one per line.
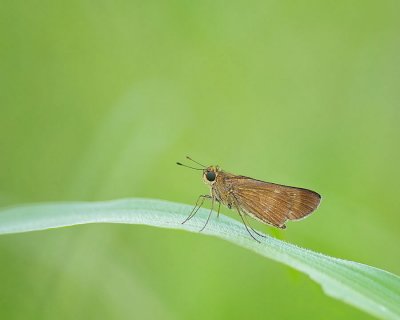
point(99, 99)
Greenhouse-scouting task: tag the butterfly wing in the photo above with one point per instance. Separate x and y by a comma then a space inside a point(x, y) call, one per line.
point(271, 203)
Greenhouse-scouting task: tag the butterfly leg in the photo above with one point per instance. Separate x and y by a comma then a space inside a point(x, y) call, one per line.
point(196, 207)
point(244, 222)
point(236, 205)
point(255, 231)
point(219, 207)
point(209, 215)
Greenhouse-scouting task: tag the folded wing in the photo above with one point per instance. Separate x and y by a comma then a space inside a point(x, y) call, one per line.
point(271, 203)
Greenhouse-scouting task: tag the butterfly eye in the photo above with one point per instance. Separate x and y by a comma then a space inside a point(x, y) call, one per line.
point(210, 176)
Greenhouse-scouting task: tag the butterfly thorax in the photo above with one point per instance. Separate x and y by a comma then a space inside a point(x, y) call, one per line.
point(221, 187)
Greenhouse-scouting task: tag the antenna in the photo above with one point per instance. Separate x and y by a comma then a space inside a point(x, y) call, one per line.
point(189, 158)
point(184, 165)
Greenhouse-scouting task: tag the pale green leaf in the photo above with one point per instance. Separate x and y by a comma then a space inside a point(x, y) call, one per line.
point(370, 289)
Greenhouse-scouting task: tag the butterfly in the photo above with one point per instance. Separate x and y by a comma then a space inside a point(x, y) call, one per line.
point(269, 203)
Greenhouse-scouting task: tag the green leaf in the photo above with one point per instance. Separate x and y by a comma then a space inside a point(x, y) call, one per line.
point(370, 289)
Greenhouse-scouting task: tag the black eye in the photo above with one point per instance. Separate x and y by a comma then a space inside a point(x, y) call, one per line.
point(210, 176)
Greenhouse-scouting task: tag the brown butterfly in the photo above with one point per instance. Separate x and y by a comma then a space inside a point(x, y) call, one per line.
point(269, 203)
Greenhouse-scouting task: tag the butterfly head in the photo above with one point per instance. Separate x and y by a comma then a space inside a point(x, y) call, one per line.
point(210, 174)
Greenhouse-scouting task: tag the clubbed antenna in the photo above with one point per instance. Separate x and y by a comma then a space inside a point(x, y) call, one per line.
point(184, 165)
point(189, 158)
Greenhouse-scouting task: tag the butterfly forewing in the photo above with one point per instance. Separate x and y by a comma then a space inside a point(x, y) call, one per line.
point(271, 203)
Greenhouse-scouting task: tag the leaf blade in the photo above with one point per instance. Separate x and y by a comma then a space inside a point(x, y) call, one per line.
point(372, 290)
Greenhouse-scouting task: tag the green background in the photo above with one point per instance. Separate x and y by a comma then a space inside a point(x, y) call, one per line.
point(99, 99)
